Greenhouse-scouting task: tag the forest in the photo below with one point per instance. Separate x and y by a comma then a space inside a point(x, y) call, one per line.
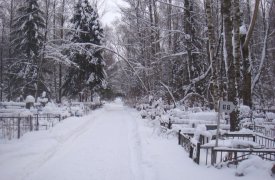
point(194, 52)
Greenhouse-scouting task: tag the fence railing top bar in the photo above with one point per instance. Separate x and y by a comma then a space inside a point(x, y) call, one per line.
point(227, 149)
point(12, 117)
point(265, 137)
point(241, 135)
point(186, 135)
point(207, 146)
point(33, 115)
point(238, 134)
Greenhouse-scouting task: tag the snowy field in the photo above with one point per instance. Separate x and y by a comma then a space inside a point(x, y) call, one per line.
point(111, 143)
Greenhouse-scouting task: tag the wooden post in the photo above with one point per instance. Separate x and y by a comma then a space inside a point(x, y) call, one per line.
point(169, 124)
point(213, 156)
point(191, 152)
point(30, 119)
point(218, 126)
point(201, 139)
point(37, 123)
point(198, 153)
point(235, 157)
point(18, 128)
point(179, 137)
point(273, 169)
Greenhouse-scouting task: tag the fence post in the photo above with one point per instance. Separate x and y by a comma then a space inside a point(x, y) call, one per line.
point(191, 152)
point(169, 124)
point(198, 153)
point(201, 139)
point(254, 138)
point(179, 137)
point(37, 123)
point(30, 119)
point(235, 158)
point(18, 128)
point(59, 117)
point(213, 156)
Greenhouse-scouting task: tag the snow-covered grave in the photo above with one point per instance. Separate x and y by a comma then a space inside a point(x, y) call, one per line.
point(196, 132)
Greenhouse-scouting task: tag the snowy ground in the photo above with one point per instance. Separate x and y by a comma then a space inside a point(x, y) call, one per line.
point(112, 143)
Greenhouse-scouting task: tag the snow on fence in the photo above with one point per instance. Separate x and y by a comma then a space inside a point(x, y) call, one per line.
point(238, 148)
point(15, 105)
point(16, 120)
point(267, 131)
point(236, 155)
point(265, 141)
point(15, 127)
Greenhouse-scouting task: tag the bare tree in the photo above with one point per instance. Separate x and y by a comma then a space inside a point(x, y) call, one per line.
point(247, 77)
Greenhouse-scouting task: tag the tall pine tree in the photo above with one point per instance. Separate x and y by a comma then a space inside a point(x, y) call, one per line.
point(88, 74)
point(27, 40)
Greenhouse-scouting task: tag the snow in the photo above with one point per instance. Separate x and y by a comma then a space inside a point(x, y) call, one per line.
point(30, 99)
point(270, 115)
point(206, 116)
point(233, 143)
point(111, 11)
point(251, 164)
point(187, 36)
point(96, 98)
point(243, 29)
point(110, 143)
point(91, 78)
point(25, 113)
point(51, 108)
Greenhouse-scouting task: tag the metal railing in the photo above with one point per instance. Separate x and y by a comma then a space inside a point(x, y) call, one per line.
point(190, 147)
point(201, 152)
point(16, 126)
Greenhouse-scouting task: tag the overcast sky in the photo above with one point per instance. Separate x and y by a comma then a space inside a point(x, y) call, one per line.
point(111, 10)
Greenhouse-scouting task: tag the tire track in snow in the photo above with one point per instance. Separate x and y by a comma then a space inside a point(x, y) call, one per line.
point(62, 142)
point(135, 149)
point(144, 159)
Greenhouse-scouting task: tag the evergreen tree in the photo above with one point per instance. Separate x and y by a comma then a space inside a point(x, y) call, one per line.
point(27, 39)
point(88, 74)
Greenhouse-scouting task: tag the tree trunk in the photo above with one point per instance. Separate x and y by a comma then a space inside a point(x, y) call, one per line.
point(54, 37)
point(237, 49)
point(61, 37)
point(266, 28)
point(169, 24)
point(10, 49)
point(1, 60)
point(42, 56)
point(246, 90)
point(188, 37)
point(231, 92)
point(211, 49)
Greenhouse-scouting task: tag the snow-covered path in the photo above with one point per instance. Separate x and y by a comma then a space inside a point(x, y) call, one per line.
point(111, 143)
point(103, 149)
